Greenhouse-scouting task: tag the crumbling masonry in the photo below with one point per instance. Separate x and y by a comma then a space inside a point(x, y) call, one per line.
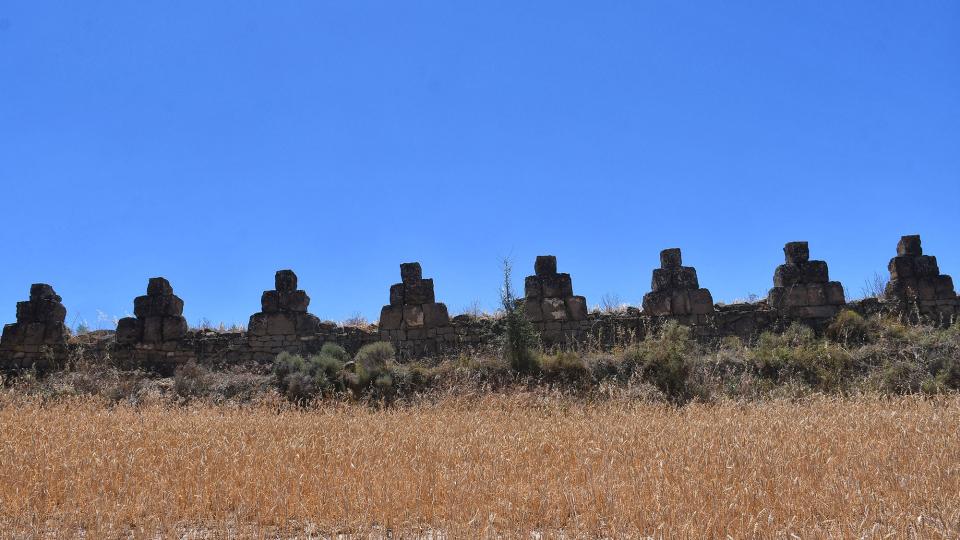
point(158, 338)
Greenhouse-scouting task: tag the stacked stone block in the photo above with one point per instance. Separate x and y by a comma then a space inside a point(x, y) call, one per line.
point(412, 303)
point(548, 295)
point(676, 291)
point(283, 323)
point(39, 336)
point(158, 321)
point(802, 288)
point(917, 285)
point(414, 321)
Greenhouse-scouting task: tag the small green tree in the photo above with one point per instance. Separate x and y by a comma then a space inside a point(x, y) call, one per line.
point(519, 338)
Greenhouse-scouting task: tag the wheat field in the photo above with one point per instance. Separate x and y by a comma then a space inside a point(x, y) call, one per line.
point(495, 465)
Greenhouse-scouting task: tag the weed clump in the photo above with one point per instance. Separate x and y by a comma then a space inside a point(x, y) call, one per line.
point(518, 339)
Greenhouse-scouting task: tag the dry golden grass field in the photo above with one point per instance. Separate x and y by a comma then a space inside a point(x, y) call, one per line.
point(495, 465)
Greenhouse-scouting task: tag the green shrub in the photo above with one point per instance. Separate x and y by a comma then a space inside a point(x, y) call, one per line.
point(301, 380)
point(335, 351)
point(373, 356)
point(849, 328)
point(665, 361)
point(796, 354)
point(519, 338)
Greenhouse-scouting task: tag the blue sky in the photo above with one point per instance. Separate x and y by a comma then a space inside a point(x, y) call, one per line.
point(216, 142)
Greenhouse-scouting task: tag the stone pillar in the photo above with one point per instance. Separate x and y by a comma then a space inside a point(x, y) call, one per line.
point(548, 295)
point(413, 305)
point(283, 323)
point(39, 336)
point(158, 321)
point(917, 285)
point(802, 288)
point(676, 291)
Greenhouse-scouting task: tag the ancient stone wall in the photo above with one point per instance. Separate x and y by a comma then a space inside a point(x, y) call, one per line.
point(420, 327)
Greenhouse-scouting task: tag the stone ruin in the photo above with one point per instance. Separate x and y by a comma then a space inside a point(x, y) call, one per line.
point(548, 295)
point(158, 322)
point(283, 323)
point(676, 291)
point(802, 288)
point(917, 285)
point(413, 306)
point(39, 334)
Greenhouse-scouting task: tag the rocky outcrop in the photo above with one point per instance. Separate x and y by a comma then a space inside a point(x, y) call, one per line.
point(38, 338)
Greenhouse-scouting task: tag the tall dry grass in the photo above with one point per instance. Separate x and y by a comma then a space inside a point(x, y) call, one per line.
point(491, 465)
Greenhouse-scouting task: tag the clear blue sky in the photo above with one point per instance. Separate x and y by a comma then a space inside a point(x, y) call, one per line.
point(216, 142)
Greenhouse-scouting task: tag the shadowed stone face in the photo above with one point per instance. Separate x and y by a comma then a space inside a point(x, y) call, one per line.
point(285, 281)
point(910, 246)
point(670, 258)
point(545, 265)
point(410, 273)
point(796, 252)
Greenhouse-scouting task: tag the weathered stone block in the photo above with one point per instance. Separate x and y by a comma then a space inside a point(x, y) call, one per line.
point(701, 302)
point(12, 335)
point(306, 325)
point(787, 275)
point(280, 324)
point(128, 331)
point(545, 265)
point(33, 333)
point(410, 272)
point(814, 272)
point(576, 308)
point(435, 314)
point(174, 328)
point(152, 329)
point(532, 288)
point(910, 246)
point(815, 312)
point(902, 267)
point(662, 279)
point(296, 301)
point(926, 266)
point(834, 292)
point(418, 292)
point(685, 277)
point(557, 286)
point(657, 303)
point(269, 302)
point(777, 297)
point(391, 317)
point(796, 252)
point(680, 302)
point(412, 317)
point(926, 290)
point(816, 295)
point(944, 287)
point(158, 286)
point(40, 291)
point(396, 294)
point(671, 258)
point(554, 309)
point(285, 281)
point(533, 309)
